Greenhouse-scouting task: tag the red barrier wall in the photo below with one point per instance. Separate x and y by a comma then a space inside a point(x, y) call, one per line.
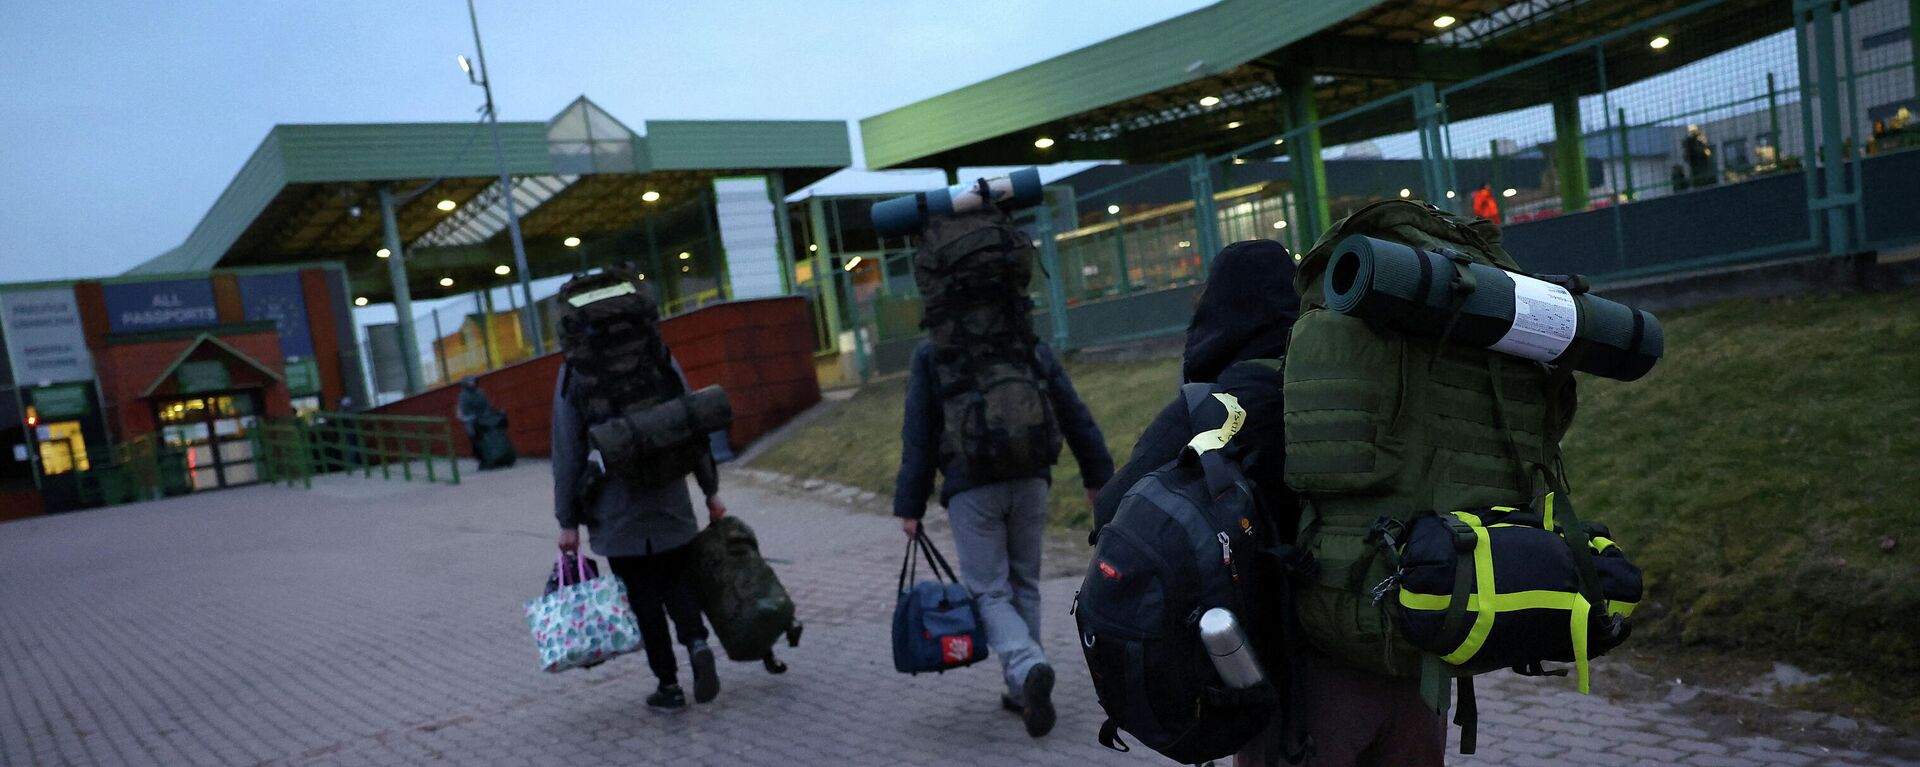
point(760, 351)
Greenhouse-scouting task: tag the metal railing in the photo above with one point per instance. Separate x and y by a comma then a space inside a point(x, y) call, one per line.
point(293, 451)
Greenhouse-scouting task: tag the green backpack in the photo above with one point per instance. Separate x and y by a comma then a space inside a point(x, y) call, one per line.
point(1385, 428)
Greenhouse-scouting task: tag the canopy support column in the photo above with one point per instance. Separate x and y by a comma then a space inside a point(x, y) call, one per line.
point(402, 297)
point(1569, 151)
point(1311, 212)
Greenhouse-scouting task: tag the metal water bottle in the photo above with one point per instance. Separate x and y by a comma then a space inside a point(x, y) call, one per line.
point(1227, 644)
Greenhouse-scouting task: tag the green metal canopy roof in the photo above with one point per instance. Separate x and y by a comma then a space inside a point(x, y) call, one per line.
point(310, 192)
point(1136, 97)
point(1184, 49)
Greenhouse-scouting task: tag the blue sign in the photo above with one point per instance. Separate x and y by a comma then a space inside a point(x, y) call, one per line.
point(279, 297)
point(137, 306)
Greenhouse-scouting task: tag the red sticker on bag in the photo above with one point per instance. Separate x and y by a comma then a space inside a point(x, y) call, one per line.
point(956, 649)
point(1108, 571)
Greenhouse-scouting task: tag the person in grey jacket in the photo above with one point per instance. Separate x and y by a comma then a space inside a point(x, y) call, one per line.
point(644, 533)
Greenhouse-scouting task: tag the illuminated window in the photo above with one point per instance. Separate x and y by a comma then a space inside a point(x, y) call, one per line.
point(63, 449)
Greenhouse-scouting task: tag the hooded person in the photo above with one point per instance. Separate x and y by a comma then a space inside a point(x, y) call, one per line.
point(1236, 338)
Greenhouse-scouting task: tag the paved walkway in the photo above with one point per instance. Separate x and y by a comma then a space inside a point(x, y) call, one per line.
point(379, 623)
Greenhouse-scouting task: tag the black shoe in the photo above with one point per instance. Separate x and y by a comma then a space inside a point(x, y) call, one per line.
point(1038, 692)
point(668, 699)
point(706, 682)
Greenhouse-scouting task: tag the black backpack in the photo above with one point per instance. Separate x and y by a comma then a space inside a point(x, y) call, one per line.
point(620, 366)
point(1187, 538)
point(972, 271)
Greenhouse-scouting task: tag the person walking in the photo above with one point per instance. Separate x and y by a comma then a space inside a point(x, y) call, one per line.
point(638, 513)
point(1236, 340)
point(645, 533)
point(998, 526)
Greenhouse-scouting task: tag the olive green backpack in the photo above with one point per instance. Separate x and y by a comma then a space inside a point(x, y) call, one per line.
point(1384, 427)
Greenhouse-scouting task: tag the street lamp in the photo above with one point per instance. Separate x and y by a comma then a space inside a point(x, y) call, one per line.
point(506, 182)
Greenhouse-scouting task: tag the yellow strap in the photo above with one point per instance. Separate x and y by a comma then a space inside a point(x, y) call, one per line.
point(1546, 517)
point(1600, 544)
point(1218, 438)
point(1577, 626)
point(1483, 584)
point(1622, 609)
point(1501, 603)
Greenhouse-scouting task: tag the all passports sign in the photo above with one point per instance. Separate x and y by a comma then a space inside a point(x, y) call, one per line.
point(133, 307)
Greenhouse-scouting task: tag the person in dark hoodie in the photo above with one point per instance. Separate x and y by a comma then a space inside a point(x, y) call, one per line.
point(1236, 340)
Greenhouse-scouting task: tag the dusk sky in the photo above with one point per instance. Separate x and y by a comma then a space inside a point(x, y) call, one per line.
point(122, 121)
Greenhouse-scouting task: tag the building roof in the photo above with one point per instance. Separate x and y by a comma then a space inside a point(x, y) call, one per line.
point(1138, 97)
point(310, 192)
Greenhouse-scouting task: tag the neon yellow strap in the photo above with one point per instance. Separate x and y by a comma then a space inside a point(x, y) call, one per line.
point(1622, 609)
point(1546, 516)
point(1502, 603)
point(1577, 626)
point(1578, 612)
point(1600, 544)
point(1483, 584)
point(1218, 438)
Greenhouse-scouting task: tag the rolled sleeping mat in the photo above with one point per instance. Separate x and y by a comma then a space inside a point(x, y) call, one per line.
point(905, 215)
point(1412, 290)
point(683, 420)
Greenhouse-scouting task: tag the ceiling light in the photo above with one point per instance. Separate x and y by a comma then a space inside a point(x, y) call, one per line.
point(1658, 42)
point(684, 255)
point(1239, 160)
point(1043, 143)
point(447, 205)
point(642, 275)
point(1449, 194)
point(446, 282)
point(383, 253)
point(855, 263)
point(361, 301)
point(686, 269)
point(1113, 210)
point(1510, 192)
point(1234, 124)
point(813, 248)
point(1279, 141)
point(1405, 192)
point(1209, 101)
point(571, 242)
point(503, 270)
point(1186, 244)
point(1279, 224)
point(650, 196)
point(1444, 21)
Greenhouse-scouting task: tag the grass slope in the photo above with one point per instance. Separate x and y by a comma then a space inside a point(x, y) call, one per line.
point(1762, 475)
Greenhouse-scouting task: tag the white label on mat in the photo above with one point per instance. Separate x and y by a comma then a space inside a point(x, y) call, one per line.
point(1544, 319)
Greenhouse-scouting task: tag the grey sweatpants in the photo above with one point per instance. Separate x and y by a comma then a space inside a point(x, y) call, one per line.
point(997, 530)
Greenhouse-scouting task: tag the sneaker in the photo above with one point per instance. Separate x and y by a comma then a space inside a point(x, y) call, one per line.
point(706, 682)
point(1038, 692)
point(668, 699)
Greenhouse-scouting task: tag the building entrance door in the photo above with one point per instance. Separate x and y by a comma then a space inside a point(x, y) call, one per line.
point(213, 431)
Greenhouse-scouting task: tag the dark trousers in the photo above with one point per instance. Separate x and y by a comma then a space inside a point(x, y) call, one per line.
point(658, 586)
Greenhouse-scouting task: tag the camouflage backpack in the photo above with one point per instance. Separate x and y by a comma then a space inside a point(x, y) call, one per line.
point(972, 271)
point(619, 365)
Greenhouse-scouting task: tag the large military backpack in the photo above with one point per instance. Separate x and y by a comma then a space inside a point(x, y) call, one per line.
point(972, 270)
point(1187, 538)
point(1434, 499)
point(619, 367)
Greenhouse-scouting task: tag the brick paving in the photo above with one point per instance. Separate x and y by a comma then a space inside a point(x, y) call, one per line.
point(371, 623)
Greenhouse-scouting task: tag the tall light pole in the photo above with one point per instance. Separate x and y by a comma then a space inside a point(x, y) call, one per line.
point(506, 183)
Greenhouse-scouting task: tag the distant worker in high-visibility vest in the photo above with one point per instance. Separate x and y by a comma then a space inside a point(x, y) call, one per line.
point(1484, 205)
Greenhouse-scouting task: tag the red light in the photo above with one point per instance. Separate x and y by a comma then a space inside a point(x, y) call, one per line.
point(33, 420)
